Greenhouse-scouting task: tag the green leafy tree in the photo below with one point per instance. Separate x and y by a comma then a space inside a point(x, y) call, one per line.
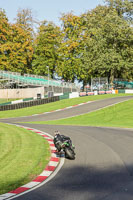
point(68, 65)
point(92, 43)
point(45, 49)
point(109, 43)
point(124, 8)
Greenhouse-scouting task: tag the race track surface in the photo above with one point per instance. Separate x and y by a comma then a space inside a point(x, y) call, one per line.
point(103, 168)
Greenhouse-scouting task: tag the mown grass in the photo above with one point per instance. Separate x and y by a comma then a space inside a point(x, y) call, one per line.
point(23, 155)
point(118, 115)
point(54, 106)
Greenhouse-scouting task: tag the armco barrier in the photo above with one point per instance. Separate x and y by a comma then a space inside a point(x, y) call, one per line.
point(29, 103)
point(64, 96)
point(17, 101)
point(28, 99)
point(121, 91)
point(95, 93)
point(101, 92)
point(73, 95)
point(90, 93)
point(127, 91)
point(81, 94)
point(6, 103)
point(109, 92)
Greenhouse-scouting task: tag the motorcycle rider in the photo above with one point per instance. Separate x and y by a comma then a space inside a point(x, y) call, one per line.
point(60, 139)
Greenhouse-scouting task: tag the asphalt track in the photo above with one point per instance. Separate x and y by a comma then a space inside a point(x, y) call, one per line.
point(103, 168)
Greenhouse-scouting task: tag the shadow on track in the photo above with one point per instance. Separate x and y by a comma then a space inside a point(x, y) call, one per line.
point(86, 183)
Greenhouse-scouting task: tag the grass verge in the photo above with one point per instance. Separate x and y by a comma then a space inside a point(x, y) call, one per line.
point(54, 106)
point(23, 155)
point(118, 115)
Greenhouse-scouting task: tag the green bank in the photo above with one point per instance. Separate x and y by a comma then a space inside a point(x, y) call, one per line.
point(23, 155)
point(118, 115)
point(54, 106)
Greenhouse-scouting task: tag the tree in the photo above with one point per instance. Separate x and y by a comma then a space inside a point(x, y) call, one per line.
point(5, 41)
point(25, 19)
point(16, 47)
point(112, 39)
point(21, 51)
point(92, 44)
point(70, 47)
point(45, 49)
point(124, 8)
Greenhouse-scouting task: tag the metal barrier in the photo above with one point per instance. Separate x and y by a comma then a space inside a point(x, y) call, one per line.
point(29, 103)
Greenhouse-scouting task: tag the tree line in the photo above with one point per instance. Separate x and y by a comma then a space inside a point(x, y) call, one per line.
point(96, 43)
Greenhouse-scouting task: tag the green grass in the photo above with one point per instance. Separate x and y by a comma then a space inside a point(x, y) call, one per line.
point(23, 155)
point(118, 115)
point(54, 106)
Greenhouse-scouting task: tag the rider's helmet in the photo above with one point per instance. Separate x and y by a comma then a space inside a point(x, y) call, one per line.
point(56, 132)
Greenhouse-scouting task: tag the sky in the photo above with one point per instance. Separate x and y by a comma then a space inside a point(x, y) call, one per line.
point(49, 10)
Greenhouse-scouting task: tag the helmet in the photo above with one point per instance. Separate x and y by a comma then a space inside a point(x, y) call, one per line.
point(56, 132)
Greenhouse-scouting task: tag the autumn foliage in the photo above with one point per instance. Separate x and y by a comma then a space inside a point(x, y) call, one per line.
point(96, 43)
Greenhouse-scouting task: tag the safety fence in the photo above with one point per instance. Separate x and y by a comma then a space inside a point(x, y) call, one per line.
point(29, 103)
point(126, 91)
point(16, 101)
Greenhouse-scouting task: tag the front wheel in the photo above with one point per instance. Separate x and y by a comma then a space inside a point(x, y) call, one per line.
point(69, 153)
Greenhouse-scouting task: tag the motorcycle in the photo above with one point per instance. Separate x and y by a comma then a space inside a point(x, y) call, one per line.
point(67, 147)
